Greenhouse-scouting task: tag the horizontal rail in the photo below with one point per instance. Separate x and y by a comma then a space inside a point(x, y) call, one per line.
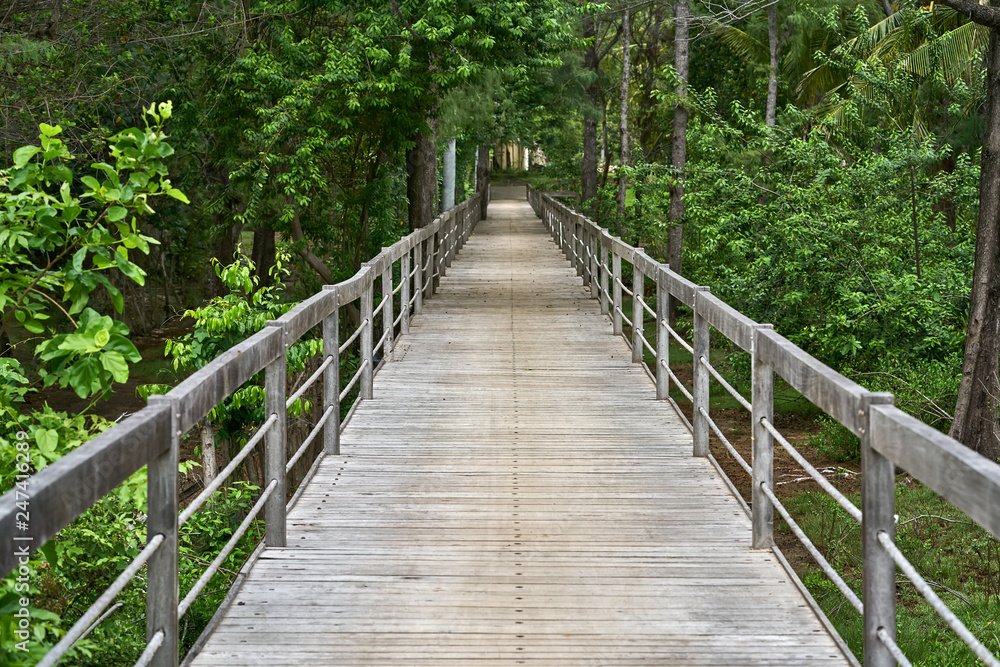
point(221, 478)
point(728, 387)
point(823, 563)
point(308, 383)
point(939, 606)
point(893, 647)
point(621, 314)
point(67, 488)
point(645, 344)
point(308, 441)
point(652, 313)
point(354, 336)
point(354, 380)
point(842, 500)
point(154, 645)
point(96, 609)
point(725, 441)
point(217, 562)
point(683, 343)
point(677, 383)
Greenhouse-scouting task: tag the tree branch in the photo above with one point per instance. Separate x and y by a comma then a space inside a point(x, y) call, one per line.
point(981, 14)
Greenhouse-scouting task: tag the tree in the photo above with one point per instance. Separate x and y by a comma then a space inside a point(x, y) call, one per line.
point(975, 423)
point(678, 157)
point(623, 122)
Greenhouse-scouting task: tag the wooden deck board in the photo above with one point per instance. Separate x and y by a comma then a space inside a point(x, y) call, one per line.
point(514, 495)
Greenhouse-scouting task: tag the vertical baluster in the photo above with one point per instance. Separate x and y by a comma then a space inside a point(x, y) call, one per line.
point(878, 504)
point(388, 314)
point(161, 519)
point(604, 246)
point(404, 292)
point(638, 285)
point(662, 334)
point(616, 290)
point(592, 246)
point(418, 278)
point(331, 376)
point(275, 374)
point(366, 333)
point(762, 401)
point(700, 393)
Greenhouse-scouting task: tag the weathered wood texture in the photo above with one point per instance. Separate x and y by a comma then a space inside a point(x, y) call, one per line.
point(515, 494)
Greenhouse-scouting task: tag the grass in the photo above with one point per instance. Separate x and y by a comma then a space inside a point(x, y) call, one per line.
point(960, 559)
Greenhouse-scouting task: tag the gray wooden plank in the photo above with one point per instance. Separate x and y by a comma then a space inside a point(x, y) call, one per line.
point(512, 494)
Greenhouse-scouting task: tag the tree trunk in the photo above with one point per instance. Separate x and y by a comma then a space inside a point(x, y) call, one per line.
point(623, 124)
point(448, 198)
point(421, 177)
point(208, 465)
point(772, 70)
point(645, 121)
point(678, 160)
point(975, 423)
point(588, 175)
point(483, 178)
point(263, 254)
point(887, 8)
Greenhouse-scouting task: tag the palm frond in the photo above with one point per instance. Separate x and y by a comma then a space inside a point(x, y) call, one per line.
point(741, 43)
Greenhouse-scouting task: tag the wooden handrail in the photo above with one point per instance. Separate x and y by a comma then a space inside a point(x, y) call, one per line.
point(889, 437)
point(61, 492)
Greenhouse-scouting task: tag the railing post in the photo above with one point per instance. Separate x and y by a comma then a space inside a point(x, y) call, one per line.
point(578, 259)
point(275, 374)
point(878, 503)
point(762, 401)
point(367, 323)
point(662, 335)
point(388, 316)
point(162, 590)
point(638, 286)
point(616, 291)
point(436, 264)
point(331, 376)
point(605, 246)
point(584, 249)
point(700, 381)
point(418, 277)
point(567, 235)
point(404, 292)
point(593, 244)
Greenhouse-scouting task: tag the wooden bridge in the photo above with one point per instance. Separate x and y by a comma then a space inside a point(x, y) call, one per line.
point(510, 488)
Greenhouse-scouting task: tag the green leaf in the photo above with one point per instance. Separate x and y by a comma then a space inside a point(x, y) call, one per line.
point(177, 194)
point(47, 440)
point(115, 364)
point(91, 183)
point(49, 130)
point(116, 213)
point(49, 551)
point(85, 377)
point(25, 153)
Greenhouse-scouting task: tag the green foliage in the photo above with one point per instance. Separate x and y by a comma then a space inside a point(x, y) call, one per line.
point(960, 559)
point(228, 320)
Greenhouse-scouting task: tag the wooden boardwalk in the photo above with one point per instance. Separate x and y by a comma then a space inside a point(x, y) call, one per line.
point(514, 495)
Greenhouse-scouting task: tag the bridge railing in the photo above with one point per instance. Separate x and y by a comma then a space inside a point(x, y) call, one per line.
point(61, 492)
point(889, 437)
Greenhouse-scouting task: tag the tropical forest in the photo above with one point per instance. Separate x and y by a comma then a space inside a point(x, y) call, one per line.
point(177, 175)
